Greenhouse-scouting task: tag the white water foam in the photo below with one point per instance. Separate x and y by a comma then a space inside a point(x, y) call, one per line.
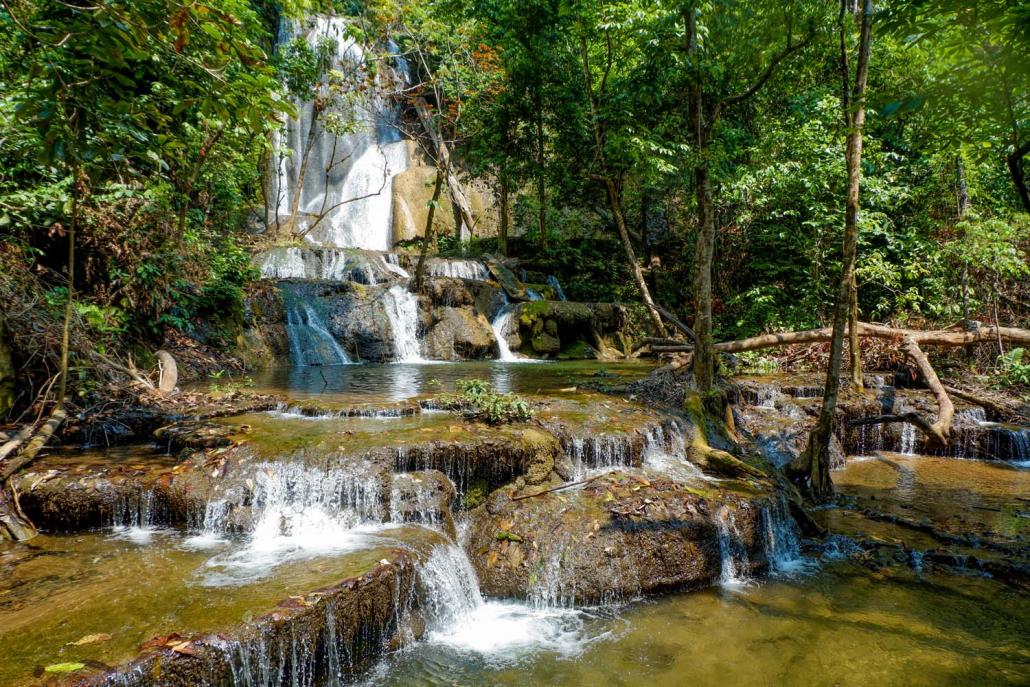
point(402, 310)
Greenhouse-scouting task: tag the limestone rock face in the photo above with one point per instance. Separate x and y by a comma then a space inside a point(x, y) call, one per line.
point(423, 497)
point(357, 319)
point(459, 334)
point(619, 536)
point(412, 193)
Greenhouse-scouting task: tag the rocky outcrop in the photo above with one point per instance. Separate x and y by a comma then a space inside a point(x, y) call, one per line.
point(617, 537)
point(412, 194)
point(339, 628)
point(459, 334)
point(564, 329)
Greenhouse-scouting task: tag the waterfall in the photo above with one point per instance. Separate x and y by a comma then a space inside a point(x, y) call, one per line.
point(296, 511)
point(552, 281)
point(458, 617)
point(766, 396)
point(908, 439)
point(501, 325)
point(346, 193)
point(393, 264)
point(735, 565)
point(458, 269)
point(133, 517)
point(402, 311)
point(600, 453)
point(780, 534)
point(310, 342)
point(665, 451)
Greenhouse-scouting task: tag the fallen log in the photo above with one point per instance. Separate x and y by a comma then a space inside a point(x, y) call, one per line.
point(15, 442)
point(941, 337)
point(910, 341)
point(676, 322)
point(35, 444)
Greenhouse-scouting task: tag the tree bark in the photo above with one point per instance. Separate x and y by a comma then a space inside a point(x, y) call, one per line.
point(443, 157)
point(704, 353)
point(62, 385)
point(854, 345)
point(427, 237)
point(613, 196)
point(815, 460)
point(541, 182)
point(1014, 161)
point(8, 378)
point(502, 233)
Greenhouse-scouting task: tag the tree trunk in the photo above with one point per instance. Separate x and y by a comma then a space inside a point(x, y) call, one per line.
point(541, 182)
point(62, 386)
point(291, 223)
point(704, 354)
point(8, 379)
point(443, 158)
point(961, 207)
point(1014, 161)
point(613, 195)
point(502, 234)
point(427, 237)
point(854, 345)
point(815, 461)
point(627, 245)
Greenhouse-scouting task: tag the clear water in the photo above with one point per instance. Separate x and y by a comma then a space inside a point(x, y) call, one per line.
point(840, 627)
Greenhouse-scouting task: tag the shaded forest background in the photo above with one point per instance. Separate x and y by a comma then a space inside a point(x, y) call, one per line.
point(145, 128)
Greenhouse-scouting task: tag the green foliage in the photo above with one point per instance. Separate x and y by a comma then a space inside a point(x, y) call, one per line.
point(1014, 368)
point(476, 400)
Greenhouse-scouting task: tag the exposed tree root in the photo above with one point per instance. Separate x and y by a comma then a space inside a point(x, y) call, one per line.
point(910, 341)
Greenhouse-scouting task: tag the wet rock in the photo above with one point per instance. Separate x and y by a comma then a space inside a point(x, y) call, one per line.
point(194, 435)
point(459, 334)
point(357, 319)
point(573, 330)
point(324, 635)
point(450, 292)
point(619, 536)
point(423, 497)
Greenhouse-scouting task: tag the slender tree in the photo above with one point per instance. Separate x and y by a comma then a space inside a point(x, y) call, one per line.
point(814, 462)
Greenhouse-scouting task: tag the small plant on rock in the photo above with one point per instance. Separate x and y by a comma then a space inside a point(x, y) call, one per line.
point(476, 400)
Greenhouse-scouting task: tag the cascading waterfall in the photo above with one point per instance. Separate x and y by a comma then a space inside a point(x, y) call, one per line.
point(553, 282)
point(780, 535)
point(500, 325)
point(297, 511)
point(458, 269)
point(310, 342)
point(393, 264)
point(402, 310)
point(665, 451)
point(735, 564)
point(459, 618)
point(908, 439)
point(345, 194)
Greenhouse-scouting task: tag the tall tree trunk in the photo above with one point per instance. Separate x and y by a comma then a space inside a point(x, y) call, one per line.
point(704, 353)
point(305, 157)
point(69, 307)
point(854, 345)
point(961, 207)
point(502, 235)
point(541, 182)
point(631, 256)
point(650, 259)
point(613, 195)
point(1014, 161)
point(443, 159)
point(815, 461)
point(427, 237)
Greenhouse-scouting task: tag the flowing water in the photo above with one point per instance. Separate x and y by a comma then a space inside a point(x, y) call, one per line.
point(838, 627)
point(402, 311)
point(344, 195)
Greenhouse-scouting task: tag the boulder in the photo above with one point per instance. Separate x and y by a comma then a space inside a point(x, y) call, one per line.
point(572, 330)
point(619, 536)
point(459, 334)
point(423, 497)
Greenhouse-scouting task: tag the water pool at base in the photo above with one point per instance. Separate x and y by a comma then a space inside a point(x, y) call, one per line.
point(841, 626)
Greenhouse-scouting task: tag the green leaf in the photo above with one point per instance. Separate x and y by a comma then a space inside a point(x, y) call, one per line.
point(64, 667)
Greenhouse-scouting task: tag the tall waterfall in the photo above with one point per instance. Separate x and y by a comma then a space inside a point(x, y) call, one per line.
point(402, 310)
point(345, 192)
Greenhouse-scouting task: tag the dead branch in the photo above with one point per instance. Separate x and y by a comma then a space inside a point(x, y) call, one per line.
point(566, 485)
point(38, 441)
point(941, 427)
